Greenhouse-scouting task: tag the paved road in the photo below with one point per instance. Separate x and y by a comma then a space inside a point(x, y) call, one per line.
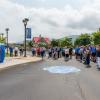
point(30, 82)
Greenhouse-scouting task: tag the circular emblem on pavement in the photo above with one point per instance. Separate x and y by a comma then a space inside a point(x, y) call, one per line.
point(62, 69)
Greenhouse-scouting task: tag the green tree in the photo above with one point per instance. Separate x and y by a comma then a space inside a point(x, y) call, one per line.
point(30, 43)
point(83, 39)
point(65, 42)
point(2, 39)
point(96, 37)
point(43, 43)
point(54, 42)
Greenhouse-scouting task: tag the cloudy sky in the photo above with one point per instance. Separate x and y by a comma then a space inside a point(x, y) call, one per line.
point(50, 18)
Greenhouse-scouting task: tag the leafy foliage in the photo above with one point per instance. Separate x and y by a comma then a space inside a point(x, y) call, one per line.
point(96, 38)
point(61, 42)
point(30, 43)
point(42, 43)
point(83, 39)
point(54, 42)
point(65, 42)
point(2, 40)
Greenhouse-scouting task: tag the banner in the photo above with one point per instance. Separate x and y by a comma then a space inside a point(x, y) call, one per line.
point(28, 33)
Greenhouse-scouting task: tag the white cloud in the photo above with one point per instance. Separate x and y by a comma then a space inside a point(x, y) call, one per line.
point(52, 22)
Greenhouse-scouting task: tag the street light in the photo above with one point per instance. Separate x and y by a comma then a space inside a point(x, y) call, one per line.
point(7, 29)
point(25, 20)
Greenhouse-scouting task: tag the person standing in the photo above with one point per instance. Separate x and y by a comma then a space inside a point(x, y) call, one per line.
point(38, 51)
point(49, 53)
point(42, 52)
point(70, 52)
point(98, 56)
point(53, 50)
point(88, 57)
point(21, 51)
point(16, 51)
point(54, 53)
point(11, 51)
point(66, 54)
point(81, 53)
point(93, 53)
point(77, 49)
point(33, 51)
point(58, 52)
point(63, 52)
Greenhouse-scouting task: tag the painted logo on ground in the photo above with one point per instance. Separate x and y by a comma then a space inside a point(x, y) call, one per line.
point(62, 69)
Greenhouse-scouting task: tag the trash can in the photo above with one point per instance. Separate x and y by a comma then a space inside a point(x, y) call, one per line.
point(2, 53)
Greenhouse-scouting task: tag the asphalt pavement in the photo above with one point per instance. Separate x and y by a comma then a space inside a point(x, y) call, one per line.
point(31, 82)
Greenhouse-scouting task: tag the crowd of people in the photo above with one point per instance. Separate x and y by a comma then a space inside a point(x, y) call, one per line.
point(58, 52)
point(84, 54)
point(87, 54)
point(15, 51)
point(39, 51)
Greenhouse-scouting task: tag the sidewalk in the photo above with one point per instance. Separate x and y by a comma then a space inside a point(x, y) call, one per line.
point(11, 61)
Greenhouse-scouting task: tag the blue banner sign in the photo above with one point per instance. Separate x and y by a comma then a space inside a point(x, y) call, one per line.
point(28, 33)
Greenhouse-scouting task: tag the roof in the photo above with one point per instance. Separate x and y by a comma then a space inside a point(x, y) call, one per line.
point(38, 39)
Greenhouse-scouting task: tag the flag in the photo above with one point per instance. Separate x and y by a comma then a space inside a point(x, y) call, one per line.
point(28, 33)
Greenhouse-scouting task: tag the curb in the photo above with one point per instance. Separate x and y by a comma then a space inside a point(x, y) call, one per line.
point(12, 66)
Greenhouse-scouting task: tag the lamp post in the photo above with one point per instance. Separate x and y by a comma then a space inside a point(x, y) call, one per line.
point(25, 20)
point(7, 29)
